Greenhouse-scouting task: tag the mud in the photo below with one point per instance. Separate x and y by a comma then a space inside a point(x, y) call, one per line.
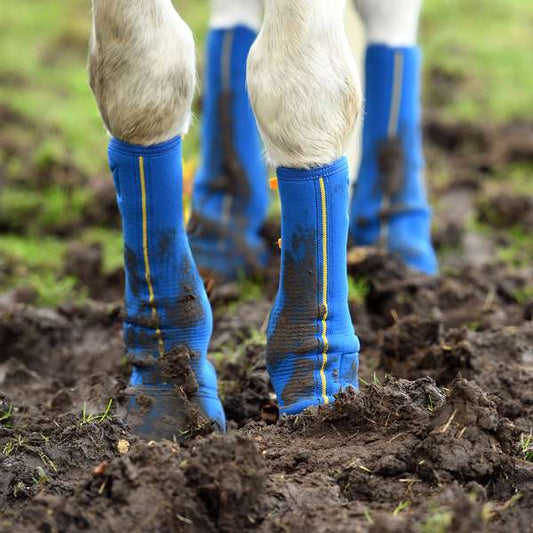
point(439, 445)
point(297, 334)
point(187, 308)
point(391, 164)
point(437, 439)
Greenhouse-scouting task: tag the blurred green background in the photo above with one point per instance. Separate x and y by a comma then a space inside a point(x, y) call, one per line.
point(53, 176)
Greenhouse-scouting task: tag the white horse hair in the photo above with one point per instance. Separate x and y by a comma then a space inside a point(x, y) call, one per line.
point(302, 78)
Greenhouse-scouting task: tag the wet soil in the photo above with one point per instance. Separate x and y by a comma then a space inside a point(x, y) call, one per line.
point(436, 439)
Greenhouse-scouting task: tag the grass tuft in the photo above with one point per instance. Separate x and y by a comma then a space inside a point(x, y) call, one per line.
point(526, 447)
point(402, 506)
point(5, 416)
point(358, 289)
point(96, 418)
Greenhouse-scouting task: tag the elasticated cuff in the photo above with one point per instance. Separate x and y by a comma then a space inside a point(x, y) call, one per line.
point(163, 148)
point(296, 174)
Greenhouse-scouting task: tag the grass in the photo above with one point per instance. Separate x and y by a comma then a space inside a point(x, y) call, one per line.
point(526, 447)
point(13, 444)
point(438, 522)
point(53, 290)
point(485, 44)
point(43, 51)
point(524, 295)
point(5, 416)
point(233, 352)
point(515, 246)
point(96, 418)
point(42, 211)
point(44, 252)
point(518, 251)
point(43, 48)
point(430, 403)
point(358, 289)
point(38, 263)
point(112, 246)
point(401, 507)
point(250, 290)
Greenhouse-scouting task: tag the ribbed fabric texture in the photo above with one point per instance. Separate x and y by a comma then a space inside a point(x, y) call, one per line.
point(312, 350)
point(165, 301)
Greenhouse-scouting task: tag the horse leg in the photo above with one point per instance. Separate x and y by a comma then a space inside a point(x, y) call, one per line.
point(230, 197)
point(390, 205)
point(305, 93)
point(142, 73)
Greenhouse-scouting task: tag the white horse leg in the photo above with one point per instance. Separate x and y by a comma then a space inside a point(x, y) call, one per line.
point(231, 13)
point(390, 22)
point(390, 204)
point(142, 69)
point(230, 197)
point(303, 82)
point(305, 93)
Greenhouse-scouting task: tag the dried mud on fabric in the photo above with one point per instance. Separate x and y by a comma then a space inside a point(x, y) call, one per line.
point(437, 439)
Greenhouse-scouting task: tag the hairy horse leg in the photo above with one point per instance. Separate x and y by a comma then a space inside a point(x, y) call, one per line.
point(305, 93)
point(142, 73)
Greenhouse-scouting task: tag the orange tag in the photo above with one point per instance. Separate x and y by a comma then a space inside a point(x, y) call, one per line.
point(279, 243)
point(273, 182)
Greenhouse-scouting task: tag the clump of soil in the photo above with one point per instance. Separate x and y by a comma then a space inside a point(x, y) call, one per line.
point(506, 211)
point(217, 484)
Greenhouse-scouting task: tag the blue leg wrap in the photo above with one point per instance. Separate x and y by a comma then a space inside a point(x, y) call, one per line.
point(230, 197)
point(312, 350)
point(166, 304)
point(389, 204)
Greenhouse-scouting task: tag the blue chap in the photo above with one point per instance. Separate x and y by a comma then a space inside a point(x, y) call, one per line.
point(312, 350)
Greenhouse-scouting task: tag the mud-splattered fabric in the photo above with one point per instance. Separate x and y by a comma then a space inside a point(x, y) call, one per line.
point(389, 205)
point(312, 350)
point(166, 304)
point(230, 197)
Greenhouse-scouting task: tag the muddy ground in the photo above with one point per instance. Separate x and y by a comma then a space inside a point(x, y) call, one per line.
point(437, 439)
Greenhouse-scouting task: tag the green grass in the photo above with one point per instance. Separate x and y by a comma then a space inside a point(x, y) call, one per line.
point(112, 246)
point(526, 447)
point(438, 522)
point(516, 246)
point(96, 418)
point(518, 251)
point(358, 289)
point(401, 507)
point(54, 209)
point(43, 49)
point(38, 263)
point(6, 415)
point(488, 44)
point(43, 252)
point(524, 295)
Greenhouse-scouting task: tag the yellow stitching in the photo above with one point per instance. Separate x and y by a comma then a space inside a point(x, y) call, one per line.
point(324, 291)
point(146, 258)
